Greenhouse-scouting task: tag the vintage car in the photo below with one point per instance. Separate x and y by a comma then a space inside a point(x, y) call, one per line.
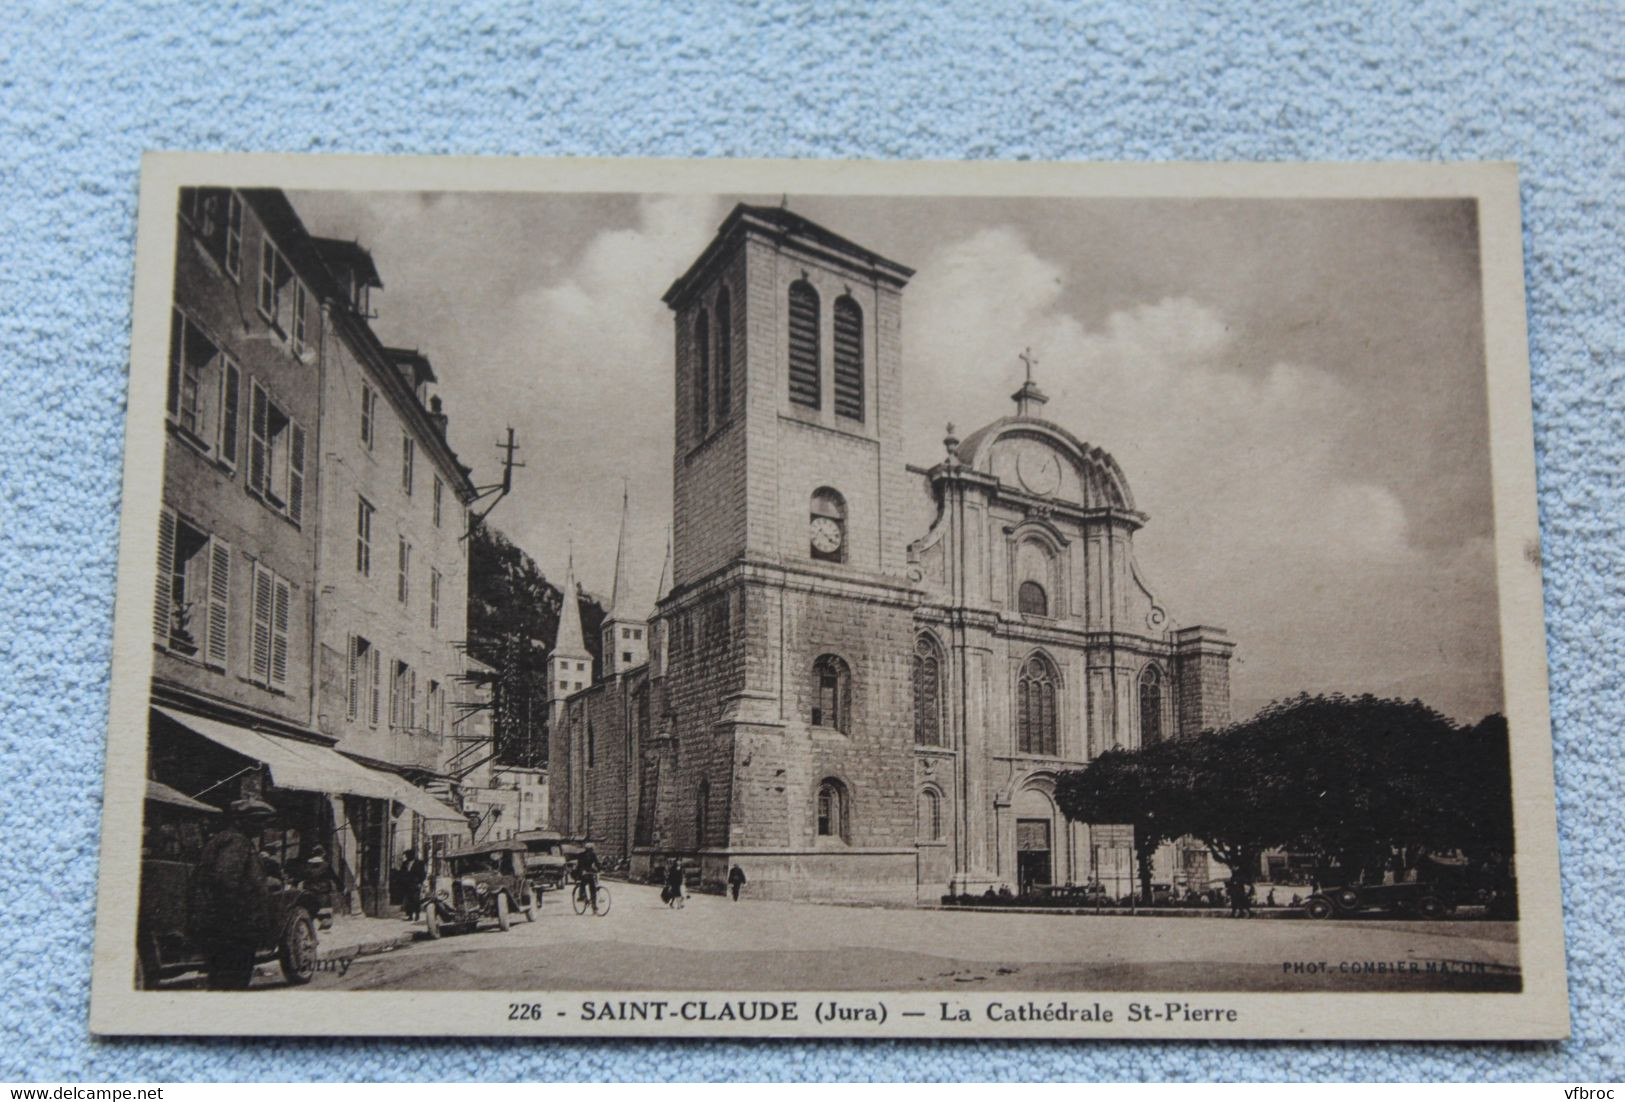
point(173, 835)
point(546, 863)
point(1417, 899)
point(479, 883)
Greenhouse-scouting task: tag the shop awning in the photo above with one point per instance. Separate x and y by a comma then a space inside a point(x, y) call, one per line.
point(161, 793)
point(310, 768)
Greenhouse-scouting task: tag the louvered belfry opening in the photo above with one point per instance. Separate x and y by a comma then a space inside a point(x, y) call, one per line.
point(804, 384)
point(848, 358)
point(702, 374)
point(725, 356)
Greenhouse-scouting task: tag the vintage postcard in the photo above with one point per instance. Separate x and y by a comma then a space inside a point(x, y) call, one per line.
point(828, 600)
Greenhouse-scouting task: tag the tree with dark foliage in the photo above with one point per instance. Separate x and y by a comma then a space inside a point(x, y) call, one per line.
point(1123, 787)
point(513, 621)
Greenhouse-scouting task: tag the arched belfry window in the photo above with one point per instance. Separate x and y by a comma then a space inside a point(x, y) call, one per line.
point(826, 525)
point(1032, 600)
point(832, 693)
point(702, 373)
point(805, 387)
point(848, 358)
point(927, 692)
point(831, 811)
point(1035, 707)
point(1150, 706)
point(702, 814)
point(725, 356)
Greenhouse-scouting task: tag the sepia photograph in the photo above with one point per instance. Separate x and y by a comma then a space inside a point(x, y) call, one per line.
point(775, 599)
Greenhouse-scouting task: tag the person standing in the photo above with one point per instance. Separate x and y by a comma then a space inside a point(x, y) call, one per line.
point(736, 881)
point(230, 901)
point(411, 881)
point(673, 892)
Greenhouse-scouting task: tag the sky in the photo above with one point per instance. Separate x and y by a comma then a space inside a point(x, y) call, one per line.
point(1294, 388)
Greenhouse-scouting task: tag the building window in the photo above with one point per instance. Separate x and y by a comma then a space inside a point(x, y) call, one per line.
point(299, 323)
point(369, 415)
point(274, 277)
point(1032, 600)
point(848, 358)
point(927, 692)
point(363, 537)
point(403, 571)
point(725, 357)
point(637, 633)
point(408, 450)
point(273, 597)
point(1035, 707)
point(832, 693)
point(805, 387)
point(826, 525)
point(234, 236)
point(702, 373)
point(626, 657)
point(361, 701)
point(276, 456)
point(1150, 706)
point(832, 812)
point(592, 745)
point(205, 390)
point(928, 816)
point(434, 598)
point(439, 491)
point(192, 612)
point(403, 691)
point(434, 709)
point(702, 815)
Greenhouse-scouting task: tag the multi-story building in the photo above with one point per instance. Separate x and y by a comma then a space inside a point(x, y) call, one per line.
point(257, 548)
point(865, 676)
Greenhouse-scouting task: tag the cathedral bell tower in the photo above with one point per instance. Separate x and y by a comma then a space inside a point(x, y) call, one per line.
point(790, 599)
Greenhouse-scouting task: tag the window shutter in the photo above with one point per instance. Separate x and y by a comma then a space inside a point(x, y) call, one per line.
point(264, 596)
point(177, 327)
point(279, 634)
point(805, 389)
point(372, 681)
point(230, 393)
point(259, 446)
point(267, 299)
point(296, 473)
point(352, 690)
point(848, 359)
point(163, 599)
point(412, 698)
point(219, 602)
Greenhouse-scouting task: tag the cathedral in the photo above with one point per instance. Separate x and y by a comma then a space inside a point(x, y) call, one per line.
point(862, 675)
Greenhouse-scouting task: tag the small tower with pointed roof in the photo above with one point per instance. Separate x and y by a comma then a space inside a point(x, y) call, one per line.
point(569, 666)
point(625, 635)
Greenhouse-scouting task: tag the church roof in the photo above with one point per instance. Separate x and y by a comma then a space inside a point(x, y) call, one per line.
point(569, 639)
point(1099, 470)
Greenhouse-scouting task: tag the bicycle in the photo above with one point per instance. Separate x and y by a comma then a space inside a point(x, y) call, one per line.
point(582, 898)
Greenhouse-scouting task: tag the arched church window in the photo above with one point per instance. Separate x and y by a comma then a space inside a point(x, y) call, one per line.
point(1150, 706)
point(832, 693)
point(805, 388)
point(831, 810)
point(702, 813)
point(928, 827)
point(826, 525)
point(848, 358)
point(1035, 707)
point(702, 373)
point(725, 357)
point(1032, 600)
point(927, 692)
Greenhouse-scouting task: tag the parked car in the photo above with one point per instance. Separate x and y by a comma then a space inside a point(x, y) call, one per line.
point(173, 835)
point(485, 882)
point(1163, 895)
point(546, 865)
point(1415, 899)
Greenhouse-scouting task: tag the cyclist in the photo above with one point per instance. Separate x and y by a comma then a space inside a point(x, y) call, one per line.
point(587, 872)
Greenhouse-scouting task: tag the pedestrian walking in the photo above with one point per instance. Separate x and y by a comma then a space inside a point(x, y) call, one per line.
point(736, 881)
point(672, 893)
point(230, 905)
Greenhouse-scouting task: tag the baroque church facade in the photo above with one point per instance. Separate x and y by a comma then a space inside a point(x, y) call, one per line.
point(862, 677)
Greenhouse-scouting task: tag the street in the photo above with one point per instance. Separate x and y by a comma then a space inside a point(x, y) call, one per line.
point(714, 944)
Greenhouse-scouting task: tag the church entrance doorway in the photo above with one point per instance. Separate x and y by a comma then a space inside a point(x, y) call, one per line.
point(1033, 866)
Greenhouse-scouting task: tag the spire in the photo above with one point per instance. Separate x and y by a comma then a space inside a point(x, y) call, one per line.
point(620, 594)
point(569, 639)
point(1029, 398)
point(665, 572)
